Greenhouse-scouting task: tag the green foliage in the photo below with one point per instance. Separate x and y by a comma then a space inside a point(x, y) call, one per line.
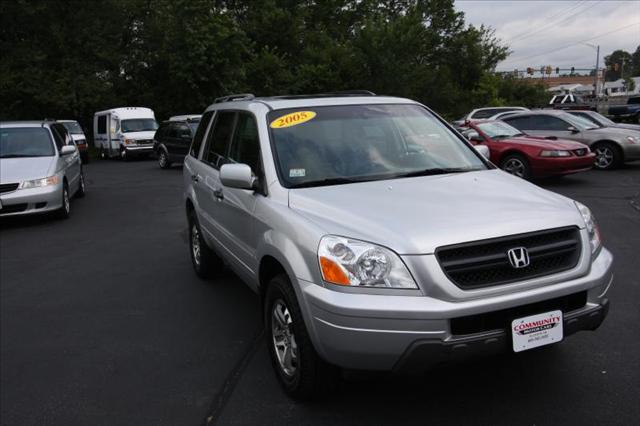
point(617, 58)
point(68, 59)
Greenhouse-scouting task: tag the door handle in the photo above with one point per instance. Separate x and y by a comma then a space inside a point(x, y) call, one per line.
point(195, 178)
point(217, 192)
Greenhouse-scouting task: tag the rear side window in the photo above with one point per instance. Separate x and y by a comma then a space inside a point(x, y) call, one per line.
point(245, 147)
point(183, 131)
point(545, 122)
point(199, 136)
point(520, 123)
point(102, 124)
point(220, 138)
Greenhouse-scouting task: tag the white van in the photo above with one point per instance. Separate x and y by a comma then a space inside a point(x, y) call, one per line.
point(124, 132)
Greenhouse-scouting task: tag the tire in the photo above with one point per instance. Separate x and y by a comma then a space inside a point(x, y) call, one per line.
point(103, 153)
point(608, 156)
point(65, 211)
point(80, 193)
point(516, 165)
point(163, 159)
point(302, 373)
point(205, 262)
point(123, 154)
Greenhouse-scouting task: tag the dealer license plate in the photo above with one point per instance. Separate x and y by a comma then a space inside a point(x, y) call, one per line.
point(536, 330)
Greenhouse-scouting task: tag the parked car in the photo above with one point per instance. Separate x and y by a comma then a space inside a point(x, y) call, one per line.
point(630, 111)
point(76, 132)
point(124, 132)
point(487, 113)
point(569, 102)
point(40, 169)
point(612, 146)
point(529, 156)
point(173, 138)
point(378, 238)
point(602, 121)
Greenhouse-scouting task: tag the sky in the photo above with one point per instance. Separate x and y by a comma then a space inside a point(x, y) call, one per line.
point(538, 31)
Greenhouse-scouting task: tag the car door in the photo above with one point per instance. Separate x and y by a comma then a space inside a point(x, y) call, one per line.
point(237, 206)
point(206, 179)
point(70, 162)
point(182, 140)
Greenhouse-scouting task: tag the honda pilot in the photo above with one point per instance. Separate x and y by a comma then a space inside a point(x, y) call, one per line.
point(378, 238)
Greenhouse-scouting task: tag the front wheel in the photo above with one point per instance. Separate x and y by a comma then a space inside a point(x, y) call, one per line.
point(163, 159)
point(123, 154)
point(516, 165)
point(205, 262)
point(65, 210)
point(80, 193)
point(299, 369)
point(608, 156)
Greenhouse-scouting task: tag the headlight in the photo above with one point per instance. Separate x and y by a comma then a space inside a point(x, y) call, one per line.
point(592, 227)
point(555, 154)
point(348, 262)
point(631, 139)
point(37, 183)
point(129, 141)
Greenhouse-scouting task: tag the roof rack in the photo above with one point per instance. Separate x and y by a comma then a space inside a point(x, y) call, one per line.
point(238, 97)
point(342, 93)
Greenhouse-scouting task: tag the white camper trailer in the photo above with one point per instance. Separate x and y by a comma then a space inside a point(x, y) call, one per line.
point(124, 132)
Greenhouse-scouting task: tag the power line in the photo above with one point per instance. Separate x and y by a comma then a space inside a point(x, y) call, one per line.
point(562, 12)
point(575, 43)
point(560, 22)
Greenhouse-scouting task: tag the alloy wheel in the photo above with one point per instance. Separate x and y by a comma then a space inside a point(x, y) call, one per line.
point(66, 204)
point(284, 340)
point(195, 244)
point(162, 159)
point(604, 157)
point(515, 167)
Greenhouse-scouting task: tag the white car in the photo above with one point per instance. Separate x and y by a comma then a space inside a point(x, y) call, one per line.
point(124, 132)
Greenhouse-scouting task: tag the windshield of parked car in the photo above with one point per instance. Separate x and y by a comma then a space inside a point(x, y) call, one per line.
point(579, 123)
point(498, 130)
point(25, 142)
point(138, 125)
point(354, 143)
point(73, 127)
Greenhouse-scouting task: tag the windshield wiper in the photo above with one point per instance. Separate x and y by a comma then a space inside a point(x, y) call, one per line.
point(331, 181)
point(434, 171)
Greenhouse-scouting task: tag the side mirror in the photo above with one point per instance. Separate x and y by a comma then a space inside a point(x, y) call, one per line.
point(573, 129)
point(474, 136)
point(68, 149)
point(483, 150)
point(237, 176)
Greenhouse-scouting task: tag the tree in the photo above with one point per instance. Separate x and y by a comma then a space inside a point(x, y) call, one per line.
point(614, 63)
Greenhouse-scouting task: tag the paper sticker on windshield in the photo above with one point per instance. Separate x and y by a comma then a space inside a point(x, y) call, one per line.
point(297, 172)
point(292, 119)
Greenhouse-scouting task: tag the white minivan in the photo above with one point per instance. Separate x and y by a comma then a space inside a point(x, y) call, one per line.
point(124, 132)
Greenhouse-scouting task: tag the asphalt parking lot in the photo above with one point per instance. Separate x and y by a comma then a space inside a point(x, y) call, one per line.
point(103, 322)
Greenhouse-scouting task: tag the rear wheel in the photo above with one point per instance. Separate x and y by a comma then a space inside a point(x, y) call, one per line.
point(299, 369)
point(516, 165)
point(608, 156)
point(205, 262)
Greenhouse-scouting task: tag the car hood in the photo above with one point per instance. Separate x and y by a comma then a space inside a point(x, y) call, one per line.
point(627, 126)
point(14, 170)
point(616, 133)
point(544, 143)
point(149, 134)
point(417, 215)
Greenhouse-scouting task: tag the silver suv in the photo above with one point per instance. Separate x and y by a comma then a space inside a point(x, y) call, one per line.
point(380, 239)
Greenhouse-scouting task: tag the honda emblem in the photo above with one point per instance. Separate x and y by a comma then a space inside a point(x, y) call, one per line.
point(518, 257)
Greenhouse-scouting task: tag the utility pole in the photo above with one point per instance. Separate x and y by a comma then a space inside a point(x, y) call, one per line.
point(595, 86)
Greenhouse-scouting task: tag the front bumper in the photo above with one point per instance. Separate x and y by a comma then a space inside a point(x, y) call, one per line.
point(31, 201)
point(631, 152)
point(562, 165)
point(382, 332)
point(139, 149)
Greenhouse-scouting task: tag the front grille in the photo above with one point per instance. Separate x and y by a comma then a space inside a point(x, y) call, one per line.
point(500, 320)
point(8, 187)
point(13, 208)
point(486, 263)
point(144, 141)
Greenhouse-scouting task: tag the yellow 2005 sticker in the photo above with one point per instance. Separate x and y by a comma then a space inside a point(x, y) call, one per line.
point(292, 119)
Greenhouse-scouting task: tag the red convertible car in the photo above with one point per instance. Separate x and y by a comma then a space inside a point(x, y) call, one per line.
point(529, 156)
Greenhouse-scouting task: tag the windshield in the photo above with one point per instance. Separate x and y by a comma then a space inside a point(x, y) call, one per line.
point(25, 142)
point(498, 129)
point(344, 144)
point(73, 127)
point(138, 125)
point(579, 122)
point(601, 119)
